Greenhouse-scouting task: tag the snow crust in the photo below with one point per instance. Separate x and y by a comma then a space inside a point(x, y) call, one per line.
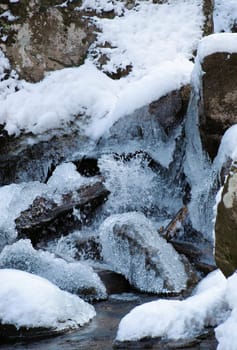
point(30, 301)
point(175, 319)
point(219, 42)
point(125, 239)
point(74, 277)
point(224, 15)
point(148, 37)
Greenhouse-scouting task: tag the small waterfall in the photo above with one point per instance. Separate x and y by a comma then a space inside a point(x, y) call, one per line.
point(201, 174)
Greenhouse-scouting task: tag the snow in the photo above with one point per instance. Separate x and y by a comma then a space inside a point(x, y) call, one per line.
point(149, 37)
point(214, 303)
point(30, 301)
point(74, 277)
point(221, 42)
point(175, 319)
point(228, 147)
point(101, 6)
point(224, 15)
point(226, 332)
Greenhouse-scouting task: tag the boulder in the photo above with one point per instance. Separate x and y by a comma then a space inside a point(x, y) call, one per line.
point(45, 218)
point(131, 246)
point(226, 226)
point(45, 37)
point(218, 109)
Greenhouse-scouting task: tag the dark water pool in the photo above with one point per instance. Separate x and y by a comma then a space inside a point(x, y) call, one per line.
point(101, 332)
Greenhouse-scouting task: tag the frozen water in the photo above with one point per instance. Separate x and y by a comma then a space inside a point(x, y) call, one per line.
point(30, 301)
point(132, 246)
point(76, 277)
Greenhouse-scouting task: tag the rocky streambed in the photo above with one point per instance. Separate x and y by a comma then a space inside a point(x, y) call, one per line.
point(101, 332)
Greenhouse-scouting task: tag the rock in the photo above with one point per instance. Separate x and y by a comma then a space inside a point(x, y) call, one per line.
point(226, 226)
point(46, 219)
point(170, 110)
point(88, 248)
point(208, 7)
point(218, 105)
point(44, 37)
point(115, 283)
point(131, 246)
point(74, 277)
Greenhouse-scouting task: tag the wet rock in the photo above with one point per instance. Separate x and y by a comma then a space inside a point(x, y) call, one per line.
point(170, 110)
point(115, 283)
point(46, 219)
point(31, 158)
point(206, 341)
point(89, 248)
point(226, 226)
point(45, 37)
point(218, 105)
point(11, 334)
point(133, 247)
point(87, 166)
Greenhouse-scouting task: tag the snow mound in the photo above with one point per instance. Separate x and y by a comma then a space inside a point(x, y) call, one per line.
point(30, 301)
point(174, 319)
point(132, 246)
point(75, 277)
point(219, 42)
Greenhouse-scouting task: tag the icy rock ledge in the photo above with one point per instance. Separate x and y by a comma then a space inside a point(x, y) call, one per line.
point(30, 301)
point(75, 277)
point(132, 246)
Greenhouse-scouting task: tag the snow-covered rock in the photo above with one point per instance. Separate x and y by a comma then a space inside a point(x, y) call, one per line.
point(74, 277)
point(132, 246)
point(31, 301)
point(175, 319)
point(218, 89)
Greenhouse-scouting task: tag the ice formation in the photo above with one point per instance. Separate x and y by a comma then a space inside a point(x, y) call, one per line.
point(132, 246)
point(74, 277)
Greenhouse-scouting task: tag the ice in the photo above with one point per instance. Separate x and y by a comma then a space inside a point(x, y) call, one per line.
point(31, 301)
point(175, 319)
point(14, 199)
point(132, 246)
point(18, 197)
point(74, 277)
point(125, 179)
